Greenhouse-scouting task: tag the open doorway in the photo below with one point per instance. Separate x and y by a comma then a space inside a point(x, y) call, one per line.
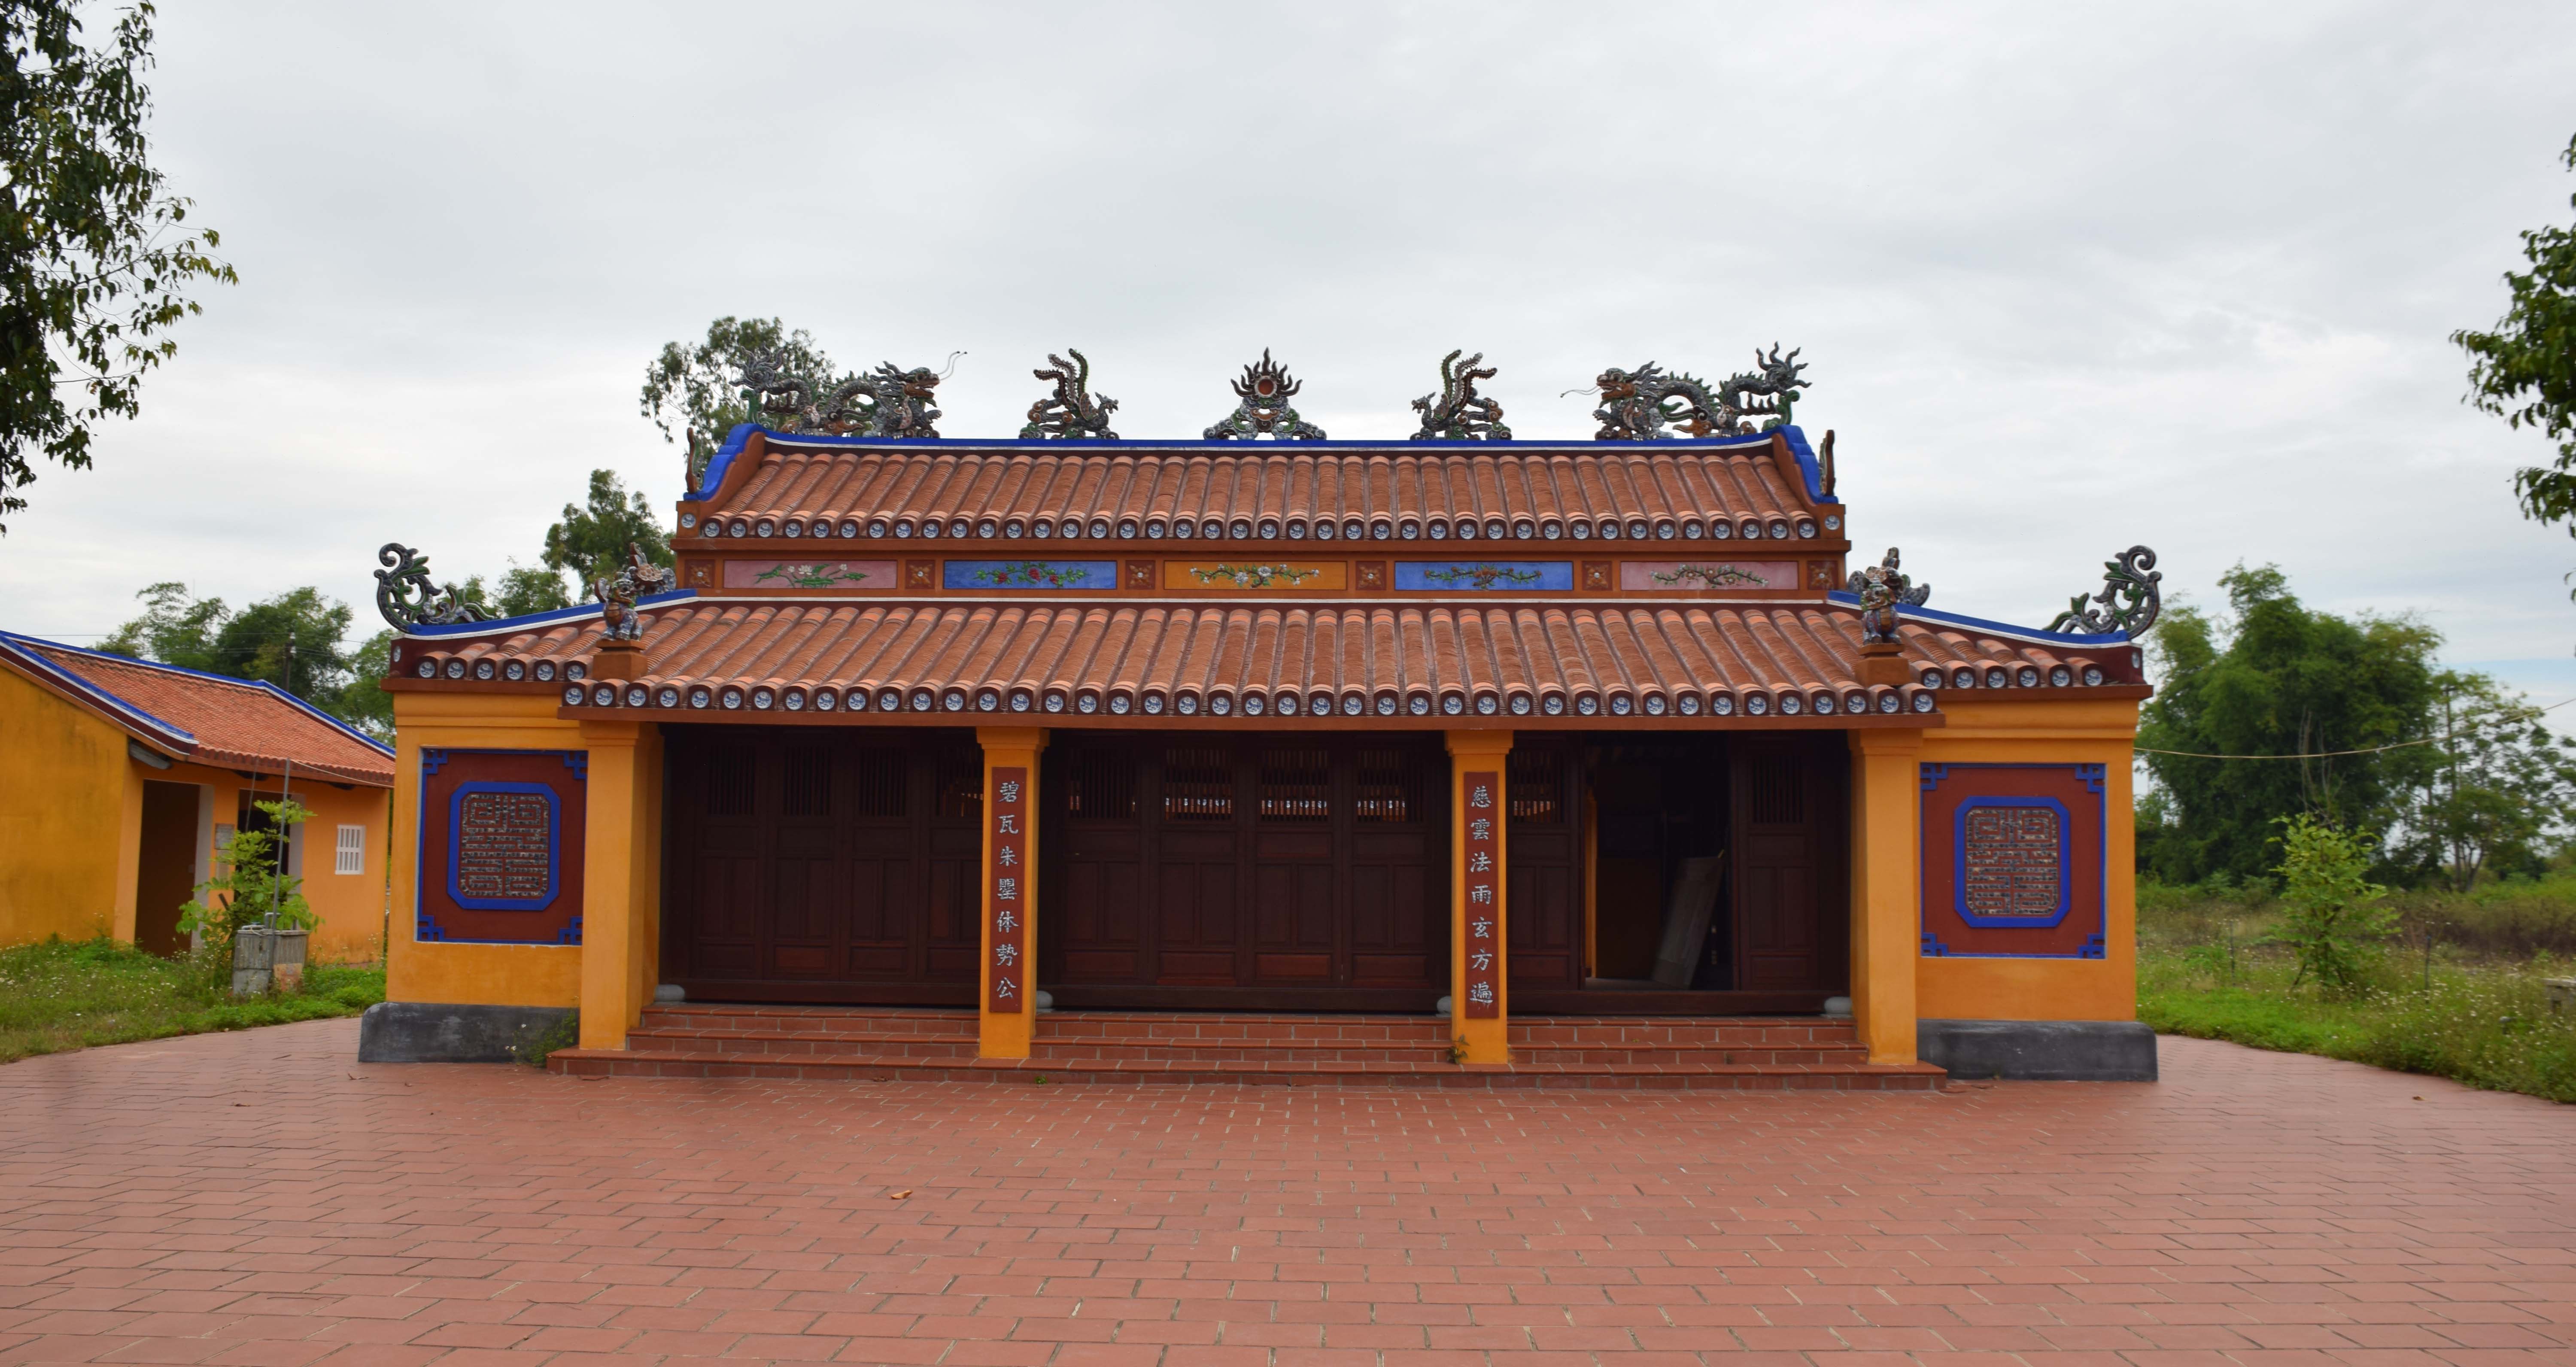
point(166, 867)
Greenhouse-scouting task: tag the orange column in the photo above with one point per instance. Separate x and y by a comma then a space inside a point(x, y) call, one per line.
point(1007, 985)
point(1479, 1008)
point(621, 879)
point(1886, 887)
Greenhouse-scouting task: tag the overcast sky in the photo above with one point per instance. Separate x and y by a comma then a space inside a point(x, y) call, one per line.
point(2069, 278)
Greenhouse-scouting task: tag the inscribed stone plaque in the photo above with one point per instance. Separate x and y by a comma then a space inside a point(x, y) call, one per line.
point(505, 846)
point(2015, 862)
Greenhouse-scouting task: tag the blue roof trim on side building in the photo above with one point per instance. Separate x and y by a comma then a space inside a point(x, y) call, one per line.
point(2034, 635)
point(537, 619)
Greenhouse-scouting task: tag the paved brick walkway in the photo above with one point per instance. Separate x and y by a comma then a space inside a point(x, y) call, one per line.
point(258, 1198)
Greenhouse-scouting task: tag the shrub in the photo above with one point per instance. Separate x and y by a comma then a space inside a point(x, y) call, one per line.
point(2333, 918)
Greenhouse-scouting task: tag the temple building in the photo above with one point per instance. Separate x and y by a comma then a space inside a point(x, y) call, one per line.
point(1462, 757)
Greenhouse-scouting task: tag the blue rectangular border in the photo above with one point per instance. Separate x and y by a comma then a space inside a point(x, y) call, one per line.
point(1500, 576)
point(2095, 777)
point(990, 575)
point(554, 848)
point(2065, 865)
point(425, 927)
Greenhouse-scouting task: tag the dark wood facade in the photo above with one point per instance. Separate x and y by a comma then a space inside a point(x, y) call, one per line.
point(1247, 870)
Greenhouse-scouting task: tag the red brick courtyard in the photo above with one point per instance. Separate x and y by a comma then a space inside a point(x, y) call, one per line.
point(259, 1198)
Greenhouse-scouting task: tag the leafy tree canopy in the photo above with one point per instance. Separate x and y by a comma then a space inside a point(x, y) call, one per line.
point(94, 262)
point(591, 539)
point(694, 386)
point(207, 635)
point(2280, 679)
point(2525, 370)
point(2500, 782)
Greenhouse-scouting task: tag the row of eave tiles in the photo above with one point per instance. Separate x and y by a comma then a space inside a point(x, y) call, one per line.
point(1384, 661)
point(1385, 497)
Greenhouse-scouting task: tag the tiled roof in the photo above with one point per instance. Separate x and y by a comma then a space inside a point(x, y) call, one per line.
point(1722, 663)
point(808, 487)
point(227, 723)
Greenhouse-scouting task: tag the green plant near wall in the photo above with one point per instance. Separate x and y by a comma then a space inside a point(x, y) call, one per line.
point(2333, 918)
point(250, 886)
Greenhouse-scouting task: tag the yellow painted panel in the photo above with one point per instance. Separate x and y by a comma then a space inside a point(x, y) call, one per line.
point(1253, 574)
point(495, 975)
point(2104, 733)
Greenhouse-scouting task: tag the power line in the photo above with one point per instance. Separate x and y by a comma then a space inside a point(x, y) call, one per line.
point(2329, 754)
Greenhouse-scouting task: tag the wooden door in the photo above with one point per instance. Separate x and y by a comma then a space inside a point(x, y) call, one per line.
point(1788, 817)
point(1543, 856)
point(1266, 872)
point(809, 864)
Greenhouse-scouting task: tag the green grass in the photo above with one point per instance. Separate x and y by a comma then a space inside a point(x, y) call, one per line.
point(72, 994)
point(2477, 1014)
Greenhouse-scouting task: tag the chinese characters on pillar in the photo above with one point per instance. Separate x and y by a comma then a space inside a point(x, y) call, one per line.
point(1483, 938)
point(1007, 974)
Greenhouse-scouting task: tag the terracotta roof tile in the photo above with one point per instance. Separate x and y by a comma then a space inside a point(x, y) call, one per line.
point(227, 723)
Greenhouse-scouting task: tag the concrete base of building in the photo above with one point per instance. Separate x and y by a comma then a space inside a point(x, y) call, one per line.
point(437, 1032)
point(2040, 1051)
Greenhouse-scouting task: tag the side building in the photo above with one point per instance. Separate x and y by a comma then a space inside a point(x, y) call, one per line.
point(125, 781)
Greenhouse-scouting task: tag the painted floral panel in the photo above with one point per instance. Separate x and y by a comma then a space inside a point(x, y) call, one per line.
point(1691, 576)
point(1256, 574)
point(810, 574)
point(1029, 574)
point(1484, 576)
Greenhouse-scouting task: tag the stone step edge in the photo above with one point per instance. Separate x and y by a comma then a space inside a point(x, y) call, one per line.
point(968, 1015)
point(1314, 1067)
point(1432, 1047)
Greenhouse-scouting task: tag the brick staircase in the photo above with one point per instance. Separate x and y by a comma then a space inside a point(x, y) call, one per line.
point(890, 1044)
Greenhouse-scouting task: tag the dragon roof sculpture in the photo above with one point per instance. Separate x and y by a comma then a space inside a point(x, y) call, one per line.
point(886, 402)
point(1638, 405)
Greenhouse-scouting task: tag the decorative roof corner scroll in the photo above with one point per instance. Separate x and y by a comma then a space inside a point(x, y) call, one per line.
point(1882, 589)
point(1264, 390)
point(637, 578)
point(1638, 405)
point(1071, 412)
point(885, 402)
point(407, 598)
point(2128, 602)
point(702, 453)
point(1458, 412)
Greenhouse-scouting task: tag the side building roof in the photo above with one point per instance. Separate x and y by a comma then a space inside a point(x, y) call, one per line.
point(204, 718)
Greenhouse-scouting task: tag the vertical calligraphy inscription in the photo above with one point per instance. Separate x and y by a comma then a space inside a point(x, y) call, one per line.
point(1484, 925)
point(1006, 976)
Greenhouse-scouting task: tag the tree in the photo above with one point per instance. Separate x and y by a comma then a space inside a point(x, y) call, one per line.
point(248, 883)
point(2280, 679)
point(2500, 781)
point(591, 540)
point(695, 387)
point(2332, 917)
point(94, 264)
point(2525, 370)
point(528, 588)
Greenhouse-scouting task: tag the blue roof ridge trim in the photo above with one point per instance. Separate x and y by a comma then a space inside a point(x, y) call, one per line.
point(551, 615)
point(1808, 465)
point(326, 718)
point(17, 648)
point(722, 462)
point(2035, 635)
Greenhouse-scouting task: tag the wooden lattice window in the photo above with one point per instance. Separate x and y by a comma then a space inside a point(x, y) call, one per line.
point(1537, 786)
point(809, 780)
point(1390, 786)
point(878, 786)
point(1198, 785)
point(961, 782)
point(731, 771)
point(1100, 784)
point(1296, 786)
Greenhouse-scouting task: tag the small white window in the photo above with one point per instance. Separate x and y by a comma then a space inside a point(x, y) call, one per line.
point(350, 855)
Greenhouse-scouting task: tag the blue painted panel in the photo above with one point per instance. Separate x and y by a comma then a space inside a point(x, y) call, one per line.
point(1484, 576)
point(1029, 574)
point(456, 847)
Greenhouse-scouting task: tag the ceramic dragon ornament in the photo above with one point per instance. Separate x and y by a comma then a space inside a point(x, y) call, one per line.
point(1639, 405)
point(1072, 412)
point(885, 402)
point(1458, 412)
point(1883, 589)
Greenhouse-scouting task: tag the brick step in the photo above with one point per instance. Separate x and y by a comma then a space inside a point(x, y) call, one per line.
point(811, 1020)
point(682, 1063)
point(1049, 1048)
point(801, 1042)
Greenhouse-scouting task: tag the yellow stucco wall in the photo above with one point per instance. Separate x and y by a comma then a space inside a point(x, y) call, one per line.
point(2103, 733)
point(494, 975)
point(64, 817)
point(351, 906)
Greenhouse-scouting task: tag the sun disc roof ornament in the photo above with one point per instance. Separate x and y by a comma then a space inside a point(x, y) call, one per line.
point(886, 402)
point(1071, 413)
point(407, 598)
point(2129, 601)
point(1638, 405)
point(1264, 392)
point(1458, 412)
